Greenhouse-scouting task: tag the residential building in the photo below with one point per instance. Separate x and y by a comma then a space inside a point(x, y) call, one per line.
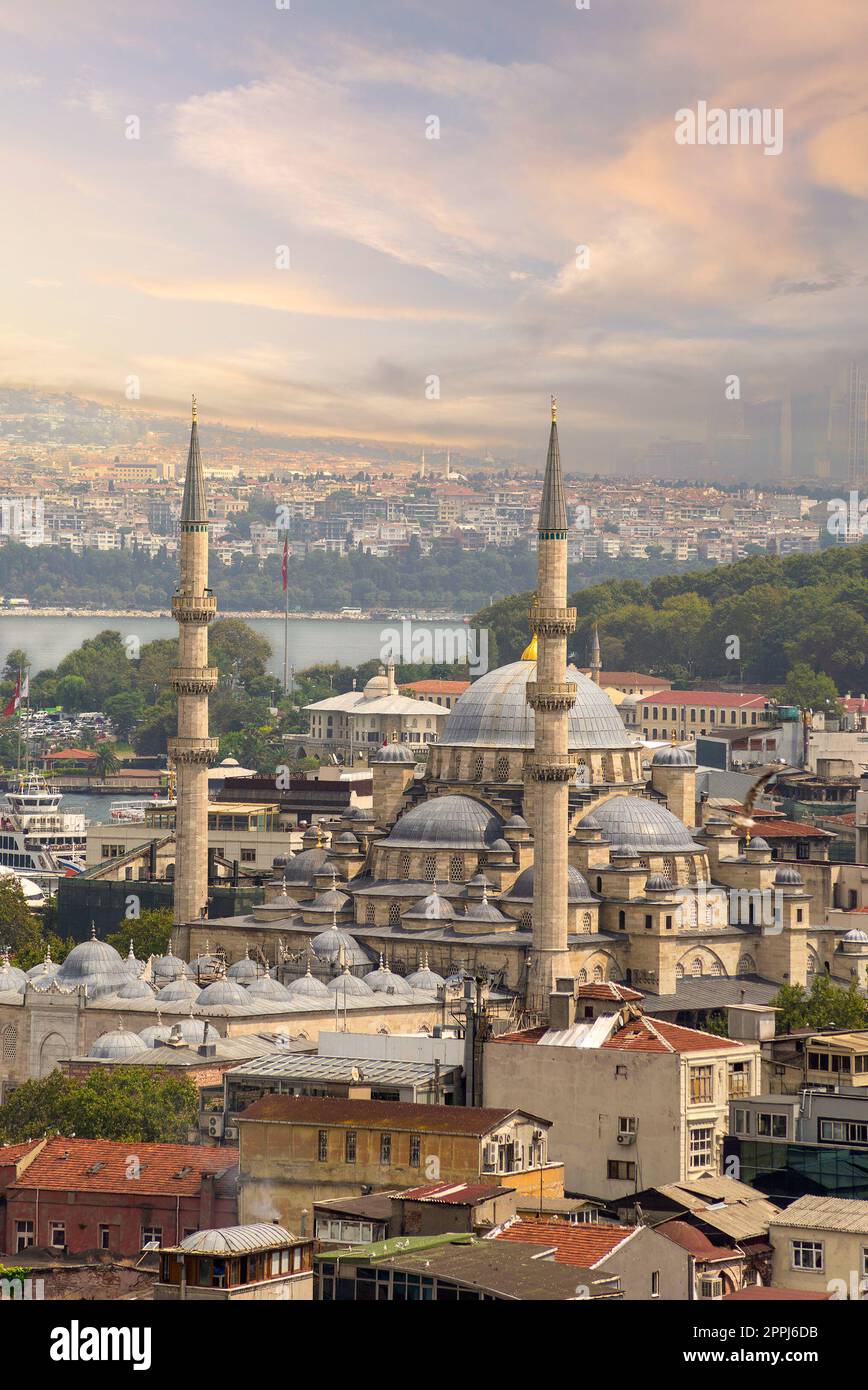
point(820, 1245)
point(298, 1150)
point(791, 1145)
point(237, 1264)
point(648, 1265)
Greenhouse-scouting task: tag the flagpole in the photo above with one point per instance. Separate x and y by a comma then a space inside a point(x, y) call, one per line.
point(285, 573)
point(18, 712)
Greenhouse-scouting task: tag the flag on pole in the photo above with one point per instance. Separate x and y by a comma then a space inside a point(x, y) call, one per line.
point(15, 699)
point(284, 568)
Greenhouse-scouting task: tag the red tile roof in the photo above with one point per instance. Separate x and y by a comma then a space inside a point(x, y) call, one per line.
point(11, 1153)
point(608, 990)
point(76, 755)
point(654, 1035)
point(722, 699)
point(377, 1114)
point(628, 678)
point(788, 829)
point(582, 1245)
point(103, 1165)
point(696, 1241)
point(433, 687)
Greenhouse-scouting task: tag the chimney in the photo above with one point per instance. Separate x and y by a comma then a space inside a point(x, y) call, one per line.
point(561, 1009)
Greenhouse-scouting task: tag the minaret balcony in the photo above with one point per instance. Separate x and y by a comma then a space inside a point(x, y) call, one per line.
point(547, 621)
point(554, 695)
point(193, 750)
point(193, 680)
point(550, 767)
point(194, 608)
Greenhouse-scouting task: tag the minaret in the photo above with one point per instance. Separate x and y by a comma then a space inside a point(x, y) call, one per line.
point(550, 765)
point(193, 607)
point(596, 659)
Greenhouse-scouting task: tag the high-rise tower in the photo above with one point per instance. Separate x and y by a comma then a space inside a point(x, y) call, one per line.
point(551, 766)
point(193, 608)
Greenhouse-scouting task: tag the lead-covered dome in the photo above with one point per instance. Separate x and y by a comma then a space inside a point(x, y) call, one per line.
point(95, 964)
point(643, 824)
point(447, 822)
point(577, 887)
point(674, 756)
point(116, 1045)
point(493, 713)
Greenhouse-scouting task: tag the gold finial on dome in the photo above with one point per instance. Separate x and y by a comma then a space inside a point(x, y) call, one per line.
point(530, 651)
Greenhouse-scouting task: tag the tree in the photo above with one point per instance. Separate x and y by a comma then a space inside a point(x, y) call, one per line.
point(71, 692)
point(150, 933)
point(19, 929)
point(125, 710)
point(239, 653)
point(106, 760)
point(16, 661)
point(826, 1005)
point(809, 689)
point(127, 1104)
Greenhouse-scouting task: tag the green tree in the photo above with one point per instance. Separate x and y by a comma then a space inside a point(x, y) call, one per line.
point(825, 1005)
point(810, 690)
point(71, 692)
point(127, 1104)
point(16, 661)
point(125, 710)
point(106, 760)
point(19, 929)
point(149, 933)
point(239, 653)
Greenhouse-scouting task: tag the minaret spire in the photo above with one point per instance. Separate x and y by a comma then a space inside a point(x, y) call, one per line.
point(193, 607)
point(596, 658)
point(550, 767)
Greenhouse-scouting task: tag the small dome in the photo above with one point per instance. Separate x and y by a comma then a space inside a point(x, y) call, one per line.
point(134, 967)
point(92, 961)
point(635, 820)
point(118, 1044)
point(789, 877)
point(12, 980)
point(267, 988)
point(332, 900)
point(195, 1031)
point(135, 989)
point(308, 987)
point(222, 991)
point(392, 753)
point(245, 970)
point(659, 883)
point(577, 887)
point(435, 908)
point(759, 843)
point(500, 846)
point(625, 852)
point(673, 756)
point(329, 944)
point(485, 911)
point(158, 1032)
point(346, 983)
point(425, 978)
point(46, 969)
point(517, 823)
point(856, 936)
point(385, 981)
point(178, 990)
point(348, 838)
point(451, 822)
point(171, 967)
point(305, 865)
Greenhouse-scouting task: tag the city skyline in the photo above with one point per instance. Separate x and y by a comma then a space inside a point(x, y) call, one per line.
point(154, 260)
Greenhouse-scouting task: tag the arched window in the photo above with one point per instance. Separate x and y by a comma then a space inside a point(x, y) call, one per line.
point(394, 915)
point(526, 921)
point(478, 767)
point(456, 869)
point(586, 921)
point(679, 972)
point(696, 967)
point(429, 868)
point(598, 974)
point(747, 965)
point(669, 868)
point(503, 768)
point(10, 1040)
point(582, 977)
point(622, 920)
point(369, 913)
point(716, 968)
point(599, 884)
point(404, 866)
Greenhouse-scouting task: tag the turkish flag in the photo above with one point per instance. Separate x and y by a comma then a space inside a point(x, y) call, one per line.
point(15, 700)
point(284, 568)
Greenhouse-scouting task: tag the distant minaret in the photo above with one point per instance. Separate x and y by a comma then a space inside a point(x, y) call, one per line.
point(448, 464)
point(422, 468)
point(550, 764)
point(193, 607)
point(596, 659)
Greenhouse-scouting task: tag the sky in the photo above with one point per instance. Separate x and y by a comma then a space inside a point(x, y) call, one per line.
point(434, 290)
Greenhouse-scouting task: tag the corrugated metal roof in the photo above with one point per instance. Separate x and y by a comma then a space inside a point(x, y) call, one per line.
point(827, 1214)
point(232, 1240)
point(337, 1069)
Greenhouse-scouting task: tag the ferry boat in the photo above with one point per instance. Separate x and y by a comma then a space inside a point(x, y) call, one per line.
point(38, 841)
point(133, 812)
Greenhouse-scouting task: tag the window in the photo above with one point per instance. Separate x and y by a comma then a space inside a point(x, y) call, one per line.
point(404, 866)
point(350, 1148)
point(429, 868)
point(619, 1171)
point(248, 856)
point(622, 920)
point(323, 1146)
point(741, 1121)
point(105, 1237)
point(150, 1233)
point(648, 921)
point(456, 869)
point(394, 914)
point(843, 1132)
point(627, 1124)
point(806, 1254)
point(770, 1126)
point(57, 1234)
point(700, 1147)
point(23, 1235)
point(655, 1283)
point(415, 1150)
point(739, 1079)
point(385, 1148)
point(701, 1085)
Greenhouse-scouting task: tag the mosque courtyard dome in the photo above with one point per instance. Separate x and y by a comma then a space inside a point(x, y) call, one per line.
point(493, 713)
point(642, 824)
point(448, 822)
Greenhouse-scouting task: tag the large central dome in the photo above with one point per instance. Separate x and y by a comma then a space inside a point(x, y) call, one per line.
point(494, 713)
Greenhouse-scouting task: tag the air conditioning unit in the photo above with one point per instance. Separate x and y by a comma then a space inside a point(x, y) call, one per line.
point(215, 1126)
point(231, 1133)
point(626, 1139)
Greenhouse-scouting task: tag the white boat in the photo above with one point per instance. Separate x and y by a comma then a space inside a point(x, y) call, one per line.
point(38, 841)
point(135, 812)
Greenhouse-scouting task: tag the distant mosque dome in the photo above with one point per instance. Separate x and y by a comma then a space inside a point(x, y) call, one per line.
point(308, 987)
point(425, 979)
point(266, 988)
point(135, 989)
point(638, 822)
point(345, 983)
point(120, 1043)
point(673, 756)
point(329, 945)
point(493, 713)
point(245, 970)
point(178, 990)
point(385, 981)
point(158, 1032)
point(169, 967)
point(450, 822)
point(12, 980)
point(305, 864)
point(856, 936)
point(222, 991)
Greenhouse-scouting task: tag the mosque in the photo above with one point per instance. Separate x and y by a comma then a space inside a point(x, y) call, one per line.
point(536, 844)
